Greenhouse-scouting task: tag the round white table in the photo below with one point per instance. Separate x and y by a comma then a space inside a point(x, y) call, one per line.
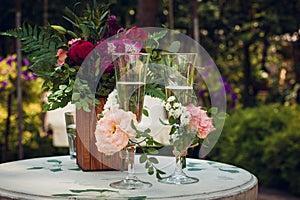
point(60, 178)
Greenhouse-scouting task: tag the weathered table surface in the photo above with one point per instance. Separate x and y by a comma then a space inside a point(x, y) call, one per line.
point(59, 177)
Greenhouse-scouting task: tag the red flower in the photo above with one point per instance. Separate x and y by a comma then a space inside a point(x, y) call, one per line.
point(79, 51)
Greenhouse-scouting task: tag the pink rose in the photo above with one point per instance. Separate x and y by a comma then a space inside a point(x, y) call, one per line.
point(135, 33)
point(61, 57)
point(114, 130)
point(200, 121)
point(79, 51)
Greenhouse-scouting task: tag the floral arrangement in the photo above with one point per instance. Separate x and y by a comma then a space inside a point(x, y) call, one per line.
point(117, 129)
point(57, 53)
point(189, 124)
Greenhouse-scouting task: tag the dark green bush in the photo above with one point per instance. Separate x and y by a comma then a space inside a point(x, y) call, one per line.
point(264, 140)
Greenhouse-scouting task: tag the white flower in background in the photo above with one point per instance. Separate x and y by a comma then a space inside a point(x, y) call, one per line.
point(167, 106)
point(177, 105)
point(112, 102)
point(171, 112)
point(171, 99)
point(185, 117)
point(177, 112)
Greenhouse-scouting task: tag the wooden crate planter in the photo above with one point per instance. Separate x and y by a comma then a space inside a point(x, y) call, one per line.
point(87, 155)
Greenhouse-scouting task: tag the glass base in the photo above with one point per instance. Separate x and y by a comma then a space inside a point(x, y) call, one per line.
point(178, 179)
point(130, 184)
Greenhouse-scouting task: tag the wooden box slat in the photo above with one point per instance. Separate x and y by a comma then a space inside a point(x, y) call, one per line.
point(87, 155)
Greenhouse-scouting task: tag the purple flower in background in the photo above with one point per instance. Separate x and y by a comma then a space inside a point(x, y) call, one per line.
point(113, 28)
point(28, 76)
point(201, 93)
point(25, 62)
point(10, 60)
point(217, 94)
point(3, 85)
point(227, 87)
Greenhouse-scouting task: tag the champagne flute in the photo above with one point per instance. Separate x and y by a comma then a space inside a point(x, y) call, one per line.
point(179, 76)
point(130, 72)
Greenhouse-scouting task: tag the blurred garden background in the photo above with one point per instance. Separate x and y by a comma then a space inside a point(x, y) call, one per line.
point(255, 44)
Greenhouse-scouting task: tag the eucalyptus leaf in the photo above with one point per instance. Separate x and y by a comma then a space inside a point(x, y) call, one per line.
point(145, 112)
point(153, 160)
point(143, 158)
point(174, 47)
point(152, 151)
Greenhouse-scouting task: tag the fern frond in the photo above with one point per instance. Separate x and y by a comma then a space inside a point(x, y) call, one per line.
point(41, 45)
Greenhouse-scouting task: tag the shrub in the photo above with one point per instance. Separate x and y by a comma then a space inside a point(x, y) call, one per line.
point(266, 141)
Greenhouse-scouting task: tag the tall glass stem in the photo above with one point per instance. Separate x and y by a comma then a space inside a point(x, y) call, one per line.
point(131, 182)
point(130, 156)
point(178, 176)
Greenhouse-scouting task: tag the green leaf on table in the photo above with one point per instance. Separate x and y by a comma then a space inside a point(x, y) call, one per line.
point(75, 169)
point(137, 198)
point(57, 169)
point(34, 168)
point(196, 169)
point(211, 162)
point(233, 171)
point(54, 161)
point(93, 190)
point(63, 195)
point(193, 164)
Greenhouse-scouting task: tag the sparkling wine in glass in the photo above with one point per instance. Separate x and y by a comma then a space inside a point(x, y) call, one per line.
point(131, 96)
point(130, 72)
point(184, 94)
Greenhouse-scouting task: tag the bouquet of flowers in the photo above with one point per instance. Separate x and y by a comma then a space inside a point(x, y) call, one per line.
point(194, 119)
point(57, 53)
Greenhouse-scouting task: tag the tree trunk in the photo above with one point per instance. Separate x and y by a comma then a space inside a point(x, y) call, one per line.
point(195, 20)
point(249, 90)
point(296, 60)
point(19, 86)
point(7, 129)
point(45, 12)
point(147, 13)
point(171, 14)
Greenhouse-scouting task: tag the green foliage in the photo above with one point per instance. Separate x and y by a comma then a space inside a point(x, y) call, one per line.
point(265, 141)
point(92, 25)
point(41, 44)
point(148, 149)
